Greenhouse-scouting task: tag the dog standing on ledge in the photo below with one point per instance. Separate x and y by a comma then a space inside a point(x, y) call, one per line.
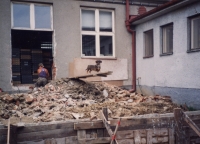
point(96, 67)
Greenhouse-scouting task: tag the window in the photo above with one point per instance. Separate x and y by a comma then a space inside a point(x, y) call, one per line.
point(195, 33)
point(97, 32)
point(167, 39)
point(148, 44)
point(31, 16)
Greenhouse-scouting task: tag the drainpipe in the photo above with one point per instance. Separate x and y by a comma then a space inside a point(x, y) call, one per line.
point(133, 47)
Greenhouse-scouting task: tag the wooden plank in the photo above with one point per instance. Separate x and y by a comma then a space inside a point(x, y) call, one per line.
point(13, 135)
point(100, 133)
point(149, 136)
point(41, 127)
point(102, 140)
point(105, 112)
point(171, 136)
point(89, 125)
point(71, 140)
point(58, 133)
point(81, 134)
point(158, 140)
point(125, 141)
point(3, 131)
point(178, 117)
point(191, 124)
point(106, 123)
point(101, 74)
point(137, 137)
point(8, 134)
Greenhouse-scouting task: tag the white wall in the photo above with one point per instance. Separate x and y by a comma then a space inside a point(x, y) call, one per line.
point(180, 70)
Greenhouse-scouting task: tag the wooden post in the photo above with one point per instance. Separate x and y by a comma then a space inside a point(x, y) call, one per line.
point(8, 134)
point(13, 134)
point(179, 131)
point(149, 136)
point(137, 137)
point(105, 112)
point(171, 136)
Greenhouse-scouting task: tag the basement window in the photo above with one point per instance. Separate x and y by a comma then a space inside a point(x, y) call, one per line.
point(31, 16)
point(97, 32)
point(148, 44)
point(167, 39)
point(29, 48)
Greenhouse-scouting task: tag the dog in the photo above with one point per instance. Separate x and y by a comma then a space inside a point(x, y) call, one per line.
point(96, 67)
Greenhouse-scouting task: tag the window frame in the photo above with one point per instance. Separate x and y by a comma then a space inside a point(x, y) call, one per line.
point(144, 46)
point(97, 33)
point(190, 31)
point(32, 16)
point(162, 40)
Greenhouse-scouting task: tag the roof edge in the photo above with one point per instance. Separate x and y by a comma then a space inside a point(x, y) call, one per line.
point(154, 11)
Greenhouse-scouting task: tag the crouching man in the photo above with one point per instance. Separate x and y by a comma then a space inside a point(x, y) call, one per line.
point(43, 75)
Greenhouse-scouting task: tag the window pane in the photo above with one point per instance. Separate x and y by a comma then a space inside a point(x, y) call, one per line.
point(168, 39)
point(21, 15)
point(88, 45)
point(43, 17)
point(106, 48)
point(148, 43)
point(88, 20)
point(105, 21)
point(196, 33)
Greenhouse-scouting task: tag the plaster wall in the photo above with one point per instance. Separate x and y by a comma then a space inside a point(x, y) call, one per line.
point(177, 71)
point(66, 37)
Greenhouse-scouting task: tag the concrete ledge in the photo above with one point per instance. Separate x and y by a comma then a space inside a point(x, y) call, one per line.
point(179, 95)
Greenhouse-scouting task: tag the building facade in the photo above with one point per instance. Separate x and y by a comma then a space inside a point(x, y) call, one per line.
point(67, 34)
point(167, 53)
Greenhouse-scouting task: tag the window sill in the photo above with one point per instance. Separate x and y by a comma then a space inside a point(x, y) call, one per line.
point(148, 57)
point(166, 54)
point(193, 50)
point(104, 58)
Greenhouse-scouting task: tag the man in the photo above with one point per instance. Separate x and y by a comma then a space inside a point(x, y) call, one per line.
point(43, 75)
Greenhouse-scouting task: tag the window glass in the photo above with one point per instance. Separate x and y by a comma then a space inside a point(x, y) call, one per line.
point(167, 39)
point(88, 20)
point(21, 15)
point(105, 21)
point(196, 33)
point(88, 45)
point(43, 17)
point(106, 46)
point(148, 43)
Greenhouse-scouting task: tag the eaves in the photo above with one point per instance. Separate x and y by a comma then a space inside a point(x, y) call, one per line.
point(161, 10)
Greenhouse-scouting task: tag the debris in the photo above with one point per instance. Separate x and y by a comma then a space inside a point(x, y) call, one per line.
point(65, 98)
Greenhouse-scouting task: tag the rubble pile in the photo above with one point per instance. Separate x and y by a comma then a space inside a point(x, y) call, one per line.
point(76, 99)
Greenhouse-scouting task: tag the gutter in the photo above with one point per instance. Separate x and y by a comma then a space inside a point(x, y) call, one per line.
point(127, 23)
point(163, 9)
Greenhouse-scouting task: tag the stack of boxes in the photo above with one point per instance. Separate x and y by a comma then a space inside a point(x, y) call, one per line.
point(25, 64)
point(26, 71)
point(36, 59)
point(16, 77)
point(47, 61)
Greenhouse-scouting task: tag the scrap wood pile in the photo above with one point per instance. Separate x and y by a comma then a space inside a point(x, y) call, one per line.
point(76, 99)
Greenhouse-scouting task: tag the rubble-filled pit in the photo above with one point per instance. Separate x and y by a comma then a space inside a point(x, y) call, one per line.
point(65, 99)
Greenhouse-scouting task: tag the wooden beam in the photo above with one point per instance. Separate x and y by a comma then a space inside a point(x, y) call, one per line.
point(191, 124)
point(178, 117)
point(100, 74)
point(106, 123)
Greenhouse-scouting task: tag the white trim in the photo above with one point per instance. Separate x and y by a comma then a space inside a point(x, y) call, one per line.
point(32, 17)
point(97, 33)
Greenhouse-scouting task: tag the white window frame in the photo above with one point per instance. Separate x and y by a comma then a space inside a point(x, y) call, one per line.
point(32, 16)
point(192, 30)
point(97, 33)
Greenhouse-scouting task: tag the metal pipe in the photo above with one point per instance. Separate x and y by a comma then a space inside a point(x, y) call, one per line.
point(133, 46)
